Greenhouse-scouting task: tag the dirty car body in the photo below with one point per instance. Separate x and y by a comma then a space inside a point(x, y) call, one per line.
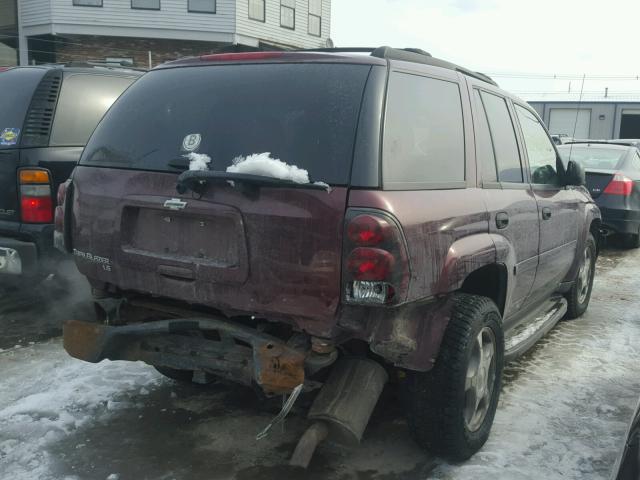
point(371, 264)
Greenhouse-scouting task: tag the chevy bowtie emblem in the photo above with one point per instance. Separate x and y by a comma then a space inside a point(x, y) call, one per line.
point(175, 204)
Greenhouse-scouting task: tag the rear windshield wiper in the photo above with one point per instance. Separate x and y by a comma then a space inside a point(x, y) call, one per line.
point(179, 163)
point(197, 180)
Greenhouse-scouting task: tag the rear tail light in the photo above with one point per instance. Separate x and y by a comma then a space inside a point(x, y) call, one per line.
point(619, 185)
point(36, 204)
point(376, 267)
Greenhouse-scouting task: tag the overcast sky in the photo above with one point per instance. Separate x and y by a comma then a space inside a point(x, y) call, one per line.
point(540, 37)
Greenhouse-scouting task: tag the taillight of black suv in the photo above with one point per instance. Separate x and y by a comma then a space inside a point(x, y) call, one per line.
point(36, 202)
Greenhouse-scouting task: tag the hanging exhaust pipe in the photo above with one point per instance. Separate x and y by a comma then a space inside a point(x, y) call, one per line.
point(342, 409)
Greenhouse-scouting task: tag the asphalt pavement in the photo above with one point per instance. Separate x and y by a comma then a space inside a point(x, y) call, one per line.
point(563, 412)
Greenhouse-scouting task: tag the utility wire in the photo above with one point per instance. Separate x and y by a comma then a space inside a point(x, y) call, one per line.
point(534, 76)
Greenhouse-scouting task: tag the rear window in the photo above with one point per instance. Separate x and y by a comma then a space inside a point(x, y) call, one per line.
point(303, 114)
point(83, 100)
point(16, 89)
point(597, 158)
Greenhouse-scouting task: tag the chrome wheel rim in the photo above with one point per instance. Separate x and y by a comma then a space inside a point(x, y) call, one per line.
point(584, 276)
point(480, 379)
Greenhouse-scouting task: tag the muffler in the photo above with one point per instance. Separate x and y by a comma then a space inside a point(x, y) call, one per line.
point(343, 407)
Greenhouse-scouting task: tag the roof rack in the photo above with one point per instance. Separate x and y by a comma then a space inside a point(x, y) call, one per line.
point(415, 55)
point(420, 56)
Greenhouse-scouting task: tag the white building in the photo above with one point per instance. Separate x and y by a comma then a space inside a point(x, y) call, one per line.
point(591, 118)
point(127, 30)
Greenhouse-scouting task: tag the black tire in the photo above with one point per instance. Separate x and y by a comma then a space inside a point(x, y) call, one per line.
point(577, 297)
point(435, 401)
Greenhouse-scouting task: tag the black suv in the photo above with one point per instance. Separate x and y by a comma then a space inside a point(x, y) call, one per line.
point(47, 114)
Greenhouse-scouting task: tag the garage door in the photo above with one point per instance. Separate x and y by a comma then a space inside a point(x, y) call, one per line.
point(563, 121)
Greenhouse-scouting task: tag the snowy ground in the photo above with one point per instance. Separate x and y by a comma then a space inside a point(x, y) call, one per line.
point(563, 412)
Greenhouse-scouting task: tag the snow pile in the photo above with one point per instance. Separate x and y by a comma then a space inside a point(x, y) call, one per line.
point(57, 396)
point(262, 164)
point(198, 161)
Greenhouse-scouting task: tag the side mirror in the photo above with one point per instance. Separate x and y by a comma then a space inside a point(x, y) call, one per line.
point(574, 174)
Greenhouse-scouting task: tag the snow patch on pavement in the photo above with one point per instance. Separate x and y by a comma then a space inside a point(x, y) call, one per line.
point(56, 397)
point(566, 406)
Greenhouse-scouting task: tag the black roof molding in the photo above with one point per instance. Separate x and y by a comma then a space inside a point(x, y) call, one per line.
point(416, 55)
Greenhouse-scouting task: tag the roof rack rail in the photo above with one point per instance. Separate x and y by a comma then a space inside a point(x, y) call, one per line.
point(415, 55)
point(420, 56)
point(340, 49)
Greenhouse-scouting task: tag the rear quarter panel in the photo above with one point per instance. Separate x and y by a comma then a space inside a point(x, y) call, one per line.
point(447, 233)
point(589, 215)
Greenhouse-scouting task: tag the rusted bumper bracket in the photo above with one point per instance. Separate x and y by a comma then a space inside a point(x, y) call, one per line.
point(212, 345)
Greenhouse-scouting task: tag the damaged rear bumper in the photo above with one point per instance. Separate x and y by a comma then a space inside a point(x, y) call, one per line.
point(210, 345)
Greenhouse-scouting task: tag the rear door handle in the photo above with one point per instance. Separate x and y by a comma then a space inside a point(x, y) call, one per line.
point(546, 213)
point(502, 220)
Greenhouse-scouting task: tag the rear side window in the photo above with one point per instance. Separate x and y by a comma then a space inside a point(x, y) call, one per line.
point(303, 114)
point(485, 155)
point(503, 134)
point(424, 133)
point(16, 89)
point(84, 98)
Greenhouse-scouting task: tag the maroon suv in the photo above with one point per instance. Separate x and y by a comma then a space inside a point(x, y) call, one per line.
point(329, 220)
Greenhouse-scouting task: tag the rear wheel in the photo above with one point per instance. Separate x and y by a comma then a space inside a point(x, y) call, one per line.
point(450, 409)
point(580, 294)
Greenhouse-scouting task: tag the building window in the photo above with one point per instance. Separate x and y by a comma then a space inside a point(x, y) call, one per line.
point(288, 14)
point(256, 10)
point(202, 6)
point(315, 17)
point(146, 4)
point(87, 3)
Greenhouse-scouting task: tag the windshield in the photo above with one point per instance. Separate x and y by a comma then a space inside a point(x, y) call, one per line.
point(593, 157)
point(302, 114)
point(16, 89)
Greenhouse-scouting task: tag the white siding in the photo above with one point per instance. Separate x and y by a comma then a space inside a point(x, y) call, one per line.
point(117, 18)
point(271, 31)
point(172, 16)
point(35, 12)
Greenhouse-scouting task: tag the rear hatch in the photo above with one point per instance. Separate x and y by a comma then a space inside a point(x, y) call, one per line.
point(272, 250)
point(17, 87)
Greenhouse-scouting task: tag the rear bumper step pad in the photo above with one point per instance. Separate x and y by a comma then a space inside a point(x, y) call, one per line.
point(241, 354)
